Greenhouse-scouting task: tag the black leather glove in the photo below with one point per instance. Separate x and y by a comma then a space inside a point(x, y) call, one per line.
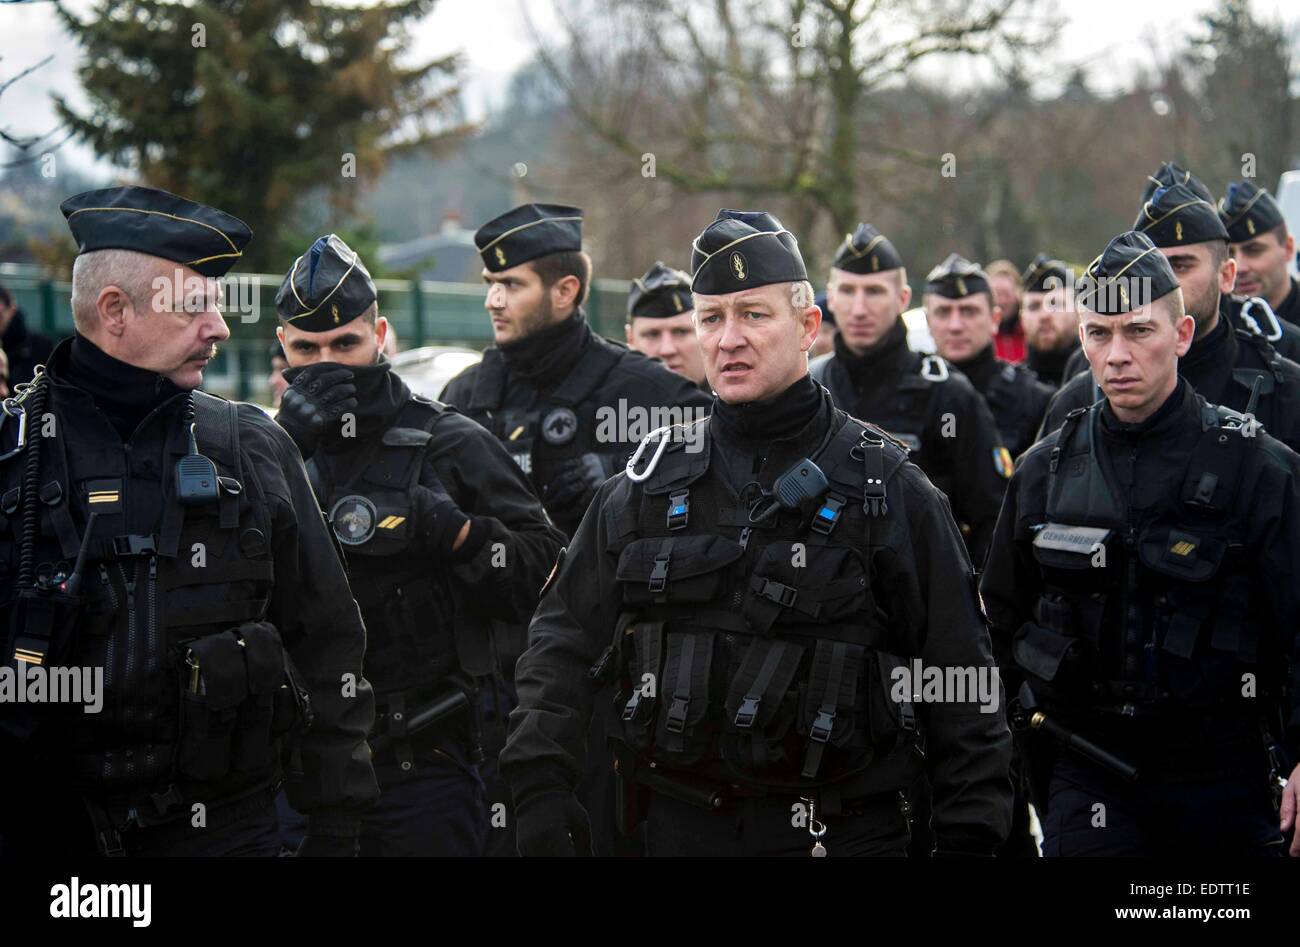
point(328, 846)
point(317, 396)
point(573, 487)
point(553, 825)
point(437, 516)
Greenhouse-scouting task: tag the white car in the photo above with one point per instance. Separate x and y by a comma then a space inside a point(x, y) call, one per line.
point(427, 370)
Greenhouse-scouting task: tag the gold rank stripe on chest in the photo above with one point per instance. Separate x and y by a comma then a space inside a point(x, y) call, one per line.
point(103, 496)
point(392, 522)
point(1182, 548)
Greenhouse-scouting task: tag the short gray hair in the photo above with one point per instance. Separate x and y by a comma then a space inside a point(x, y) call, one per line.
point(128, 270)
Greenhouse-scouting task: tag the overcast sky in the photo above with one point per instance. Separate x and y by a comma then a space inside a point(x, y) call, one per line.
point(491, 34)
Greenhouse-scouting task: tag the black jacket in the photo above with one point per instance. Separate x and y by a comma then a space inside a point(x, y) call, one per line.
point(1017, 399)
point(1145, 464)
point(921, 579)
point(197, 574)
point(494, 579)
point(615, 395)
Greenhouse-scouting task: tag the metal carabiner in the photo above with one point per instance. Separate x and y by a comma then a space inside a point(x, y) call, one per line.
point(654, 460)
point(934, 368)
point(1275, 332)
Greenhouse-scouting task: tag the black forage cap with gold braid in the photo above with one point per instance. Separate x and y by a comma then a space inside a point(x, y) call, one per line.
point(327, 287)
point(742, 249)
point(1045, 274)
point(1130, 273)
point(1168, 174)
point(1177, 215)
point(956, 277)
point(662, 292)
point(866, 250)
point(1248, 211)
point(526, 232)
point(157, 223)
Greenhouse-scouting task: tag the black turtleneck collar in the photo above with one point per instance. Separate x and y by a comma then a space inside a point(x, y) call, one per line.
point(1209, 346)
point(1289, 310)
point(547, 357)
point(123, 393)
point(1160, 420)
point(1050, 366)
point(773, 418)
point(877, 358)
point(980, 368)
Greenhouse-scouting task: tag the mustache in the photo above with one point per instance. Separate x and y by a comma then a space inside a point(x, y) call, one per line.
point(208, 353)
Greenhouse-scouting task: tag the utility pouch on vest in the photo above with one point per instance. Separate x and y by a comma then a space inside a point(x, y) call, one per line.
point(271, 709)
point(637, 713)
point(214, 682)
point(760, 706)
point(681, 732)
point(808, 584)
point(1060, 664)
point(677, 570)
point(828, 711)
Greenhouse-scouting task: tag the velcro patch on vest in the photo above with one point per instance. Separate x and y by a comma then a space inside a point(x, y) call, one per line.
point(1084, 540)
point(104, 496)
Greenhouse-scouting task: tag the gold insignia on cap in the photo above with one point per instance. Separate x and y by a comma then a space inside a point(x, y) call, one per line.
point(677, 302)
point(334, 311)
point(875, 263)
point(1250, 226)
point(501, 257)
point(738, 265)
point(1123, 293)
point(961, 287)
point(1178, 230)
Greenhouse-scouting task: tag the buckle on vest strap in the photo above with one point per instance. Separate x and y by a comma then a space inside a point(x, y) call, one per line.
point(676, 722)
point(679, 507)
point(747, 713)
point(659, 574)
point(828, 515)
point(821, 728)
point(630, 708)
point(783, 595)
point(134, 544)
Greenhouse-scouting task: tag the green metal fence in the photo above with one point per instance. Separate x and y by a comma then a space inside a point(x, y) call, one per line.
point(422, 313)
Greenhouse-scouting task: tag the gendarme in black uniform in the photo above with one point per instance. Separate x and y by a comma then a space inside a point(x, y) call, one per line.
point(770, 673)
point(1223, 364)
point(398, 489)
point(936, 412)
point(223, 625)
point(1014, 396)
point(1248, 212)
point(541, 395)
point(1139, 571)
point(555, 400)
point(1051, 367)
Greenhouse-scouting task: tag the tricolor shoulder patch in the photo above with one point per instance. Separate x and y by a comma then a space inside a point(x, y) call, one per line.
point(1002, 462)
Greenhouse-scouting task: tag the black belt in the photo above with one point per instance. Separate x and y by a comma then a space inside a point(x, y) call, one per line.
point(112, 835)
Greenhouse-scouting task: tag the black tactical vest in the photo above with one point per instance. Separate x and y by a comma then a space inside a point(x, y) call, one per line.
point(405, 599)
point(905, 414)
point(1017, 414)
point(756, 655)
point(560, 425)
point(198, 687)
point(1144, 618)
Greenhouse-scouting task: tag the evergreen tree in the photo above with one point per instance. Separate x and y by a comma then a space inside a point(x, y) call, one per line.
point(254, 106)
